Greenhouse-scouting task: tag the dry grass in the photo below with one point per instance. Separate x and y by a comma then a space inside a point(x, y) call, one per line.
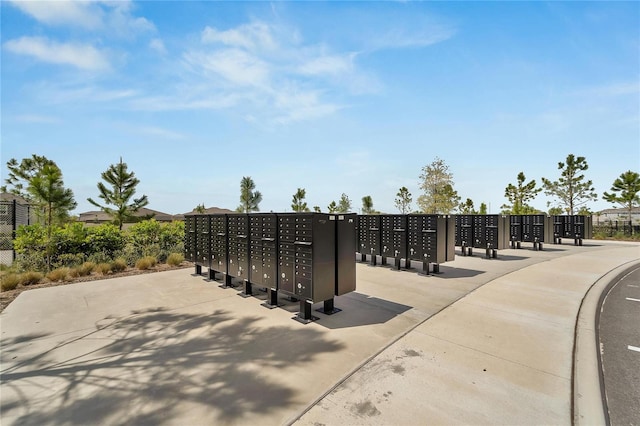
point(58, 275)
point(31, 277)
point(103, 268)
point(10, 281)
point(118, 265)
point(175, 259)
point(146, 263)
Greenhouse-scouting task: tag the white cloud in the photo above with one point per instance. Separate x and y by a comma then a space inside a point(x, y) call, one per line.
point(333, 65)
point(86, 15)
point(82, 56)
point(299, 105)
point(234, 65)
point(73, 92)
point(157, 45)
point(180, 101)
point(256, 35)
point(113, 16)
point(402, 38)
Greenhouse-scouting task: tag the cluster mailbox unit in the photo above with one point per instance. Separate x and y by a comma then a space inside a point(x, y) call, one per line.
point(424, 238)
point(393, 238)
point(575, 227)
point(369, 237)
point(483, 231)
point(529, 228)
point(306, 256)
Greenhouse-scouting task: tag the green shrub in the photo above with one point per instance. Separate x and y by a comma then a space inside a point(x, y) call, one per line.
point(175, 259)
point(57, 275)
point(129, 254)
point(146, 263)
point(151, 238)
point(100, 257)
point(33, 261)
point(30, 277)
point(30, 238)
point(104, 268)
point(70, 260)
point(118, 265)
point(107, 239)
point(9, 281)
point(70, 239)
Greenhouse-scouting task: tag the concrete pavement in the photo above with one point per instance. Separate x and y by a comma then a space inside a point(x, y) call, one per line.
point(488, 341)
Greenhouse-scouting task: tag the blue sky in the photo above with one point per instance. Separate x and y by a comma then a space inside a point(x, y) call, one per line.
point(333, 97)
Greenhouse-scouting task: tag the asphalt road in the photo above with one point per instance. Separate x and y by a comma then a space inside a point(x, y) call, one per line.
point(620, 347)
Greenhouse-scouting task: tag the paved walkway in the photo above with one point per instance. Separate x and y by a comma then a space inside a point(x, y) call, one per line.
point(489, 341)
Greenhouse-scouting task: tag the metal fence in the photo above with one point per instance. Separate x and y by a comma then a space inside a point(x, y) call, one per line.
point(611, 228)
point(12, 215)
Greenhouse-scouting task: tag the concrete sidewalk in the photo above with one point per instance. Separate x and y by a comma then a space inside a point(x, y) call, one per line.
point(487, 341)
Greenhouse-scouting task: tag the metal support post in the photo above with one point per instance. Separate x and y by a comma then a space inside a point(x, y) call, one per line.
point(304, 316)
point(247, 290)
point(226, 281)
point(272, 298)
point(425, 268)
point(328, 307)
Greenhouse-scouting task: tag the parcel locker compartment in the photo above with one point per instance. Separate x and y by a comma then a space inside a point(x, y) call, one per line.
point(304, 288)
point(286, 274)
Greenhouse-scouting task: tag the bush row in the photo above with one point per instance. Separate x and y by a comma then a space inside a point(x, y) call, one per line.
point(73, 244)
point(11, 280)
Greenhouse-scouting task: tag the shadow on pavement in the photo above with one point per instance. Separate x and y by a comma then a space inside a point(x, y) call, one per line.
point(144, 366)
point(360, 309)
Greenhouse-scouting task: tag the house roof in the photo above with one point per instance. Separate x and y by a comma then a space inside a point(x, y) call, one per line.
point(7, 196)
point(211, 210)
point(100, 216)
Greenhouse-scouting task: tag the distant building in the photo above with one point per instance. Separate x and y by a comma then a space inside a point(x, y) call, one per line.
point(210, 210)
point(98, 217)
point(612, 215)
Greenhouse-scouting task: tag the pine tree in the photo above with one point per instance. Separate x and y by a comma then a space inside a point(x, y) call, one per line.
point(571, 189)
point(403, 200)
point(298, 204)
point(519, 195)
point(249, 198)
point(624, 191)
point(367, 205)
point(119, 194)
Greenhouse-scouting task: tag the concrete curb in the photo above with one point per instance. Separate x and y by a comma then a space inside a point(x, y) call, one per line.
point(588, 400)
